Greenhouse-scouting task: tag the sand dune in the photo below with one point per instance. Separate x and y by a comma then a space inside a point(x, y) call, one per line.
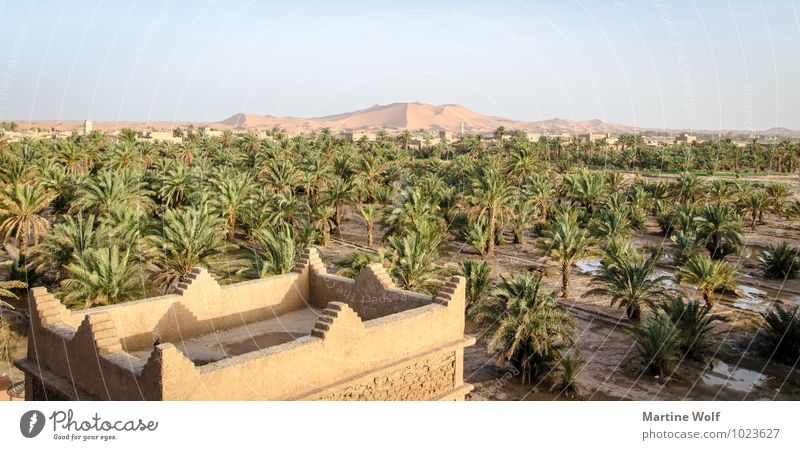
point(414, 116)
point(394, 116)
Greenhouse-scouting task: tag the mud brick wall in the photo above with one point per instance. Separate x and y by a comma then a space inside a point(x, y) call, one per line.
point(422, 379)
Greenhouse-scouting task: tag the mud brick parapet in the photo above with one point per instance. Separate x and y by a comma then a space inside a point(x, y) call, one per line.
point(370, 340)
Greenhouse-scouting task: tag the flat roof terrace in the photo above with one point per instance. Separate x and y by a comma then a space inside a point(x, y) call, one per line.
point(224, 343)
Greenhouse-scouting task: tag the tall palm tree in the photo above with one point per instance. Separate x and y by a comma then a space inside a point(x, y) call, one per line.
point(565, 241)
point(491, 195)
point(102, 276)
point(526, 324)
point(191, 238)
point(371, 214)
point(627, 278)
point(341, 193)
point(323, 222)
point(21, 206)
point(708, 275)
point(232, 195)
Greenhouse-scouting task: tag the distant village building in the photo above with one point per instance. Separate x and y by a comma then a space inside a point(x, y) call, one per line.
point(305, 335)
point(355, 136)
point(594, 137)
point(533, 137)
point(685, 138)
point(87, 126)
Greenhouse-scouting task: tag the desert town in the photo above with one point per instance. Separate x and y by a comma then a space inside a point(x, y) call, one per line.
point(590, 261)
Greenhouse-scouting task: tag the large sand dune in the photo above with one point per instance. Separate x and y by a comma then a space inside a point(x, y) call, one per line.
point(394, 116)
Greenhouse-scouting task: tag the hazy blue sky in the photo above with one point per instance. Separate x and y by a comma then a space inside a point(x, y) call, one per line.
point(703, 64)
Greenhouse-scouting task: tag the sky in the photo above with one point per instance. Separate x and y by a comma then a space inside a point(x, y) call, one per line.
point(662, 64)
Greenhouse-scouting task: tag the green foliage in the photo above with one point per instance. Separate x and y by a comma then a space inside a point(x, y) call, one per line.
point(693, 322)
point(476, 272)
point(782, 332)
point(657, 341)
point(525, 325)
point(779, 261)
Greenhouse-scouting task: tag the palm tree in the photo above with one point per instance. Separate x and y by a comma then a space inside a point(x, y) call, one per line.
point(232, 195)
point(491, 195)
point(108, 190)
point(354, 262)
point(779, 261)
point(191, 238)
point(565, 241)
point(756, 203)
point(693, 323)
point(415, 256)
point(70, 239)
point(7, 286)
point(20, 208)
point(719, 226)
point(278, 251)
point(476, 272)
point(102, 276)
point(323, 222)
point(342, 193)
point(370, 214)
point(686, 245)
point(627, 278)
point(527, 325)
point(175, 184)
point(708, 275)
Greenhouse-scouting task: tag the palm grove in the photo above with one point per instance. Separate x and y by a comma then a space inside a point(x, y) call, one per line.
point(103, 219)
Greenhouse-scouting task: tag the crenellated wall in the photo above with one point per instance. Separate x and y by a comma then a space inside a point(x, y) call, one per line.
point(368, 327)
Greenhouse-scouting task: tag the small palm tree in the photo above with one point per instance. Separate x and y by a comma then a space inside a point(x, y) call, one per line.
point(415, 256)
point(102, 276)
point(565, 241)
point(570, 368)
point(627, 278)
point(658, 342)
point(779, 261)
point(686, 244)
point(782, 332)
point(708, 275)
point(355, 262)
point(371, 214)
point(693, 322)
point(756, 204)
point(719, 225)
point(21, 206)
point(526, 325)
point(476, 272)
point(7, 286)
point(278, 251)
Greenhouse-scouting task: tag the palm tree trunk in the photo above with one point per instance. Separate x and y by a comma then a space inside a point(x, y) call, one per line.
point(369, 235)
point(232, 227)
point(565, 276)
point(490, 251)
point(707, 297)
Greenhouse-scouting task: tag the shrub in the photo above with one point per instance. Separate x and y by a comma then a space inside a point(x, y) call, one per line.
point(657, 341)
point(782, 332)
point(779, 261)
